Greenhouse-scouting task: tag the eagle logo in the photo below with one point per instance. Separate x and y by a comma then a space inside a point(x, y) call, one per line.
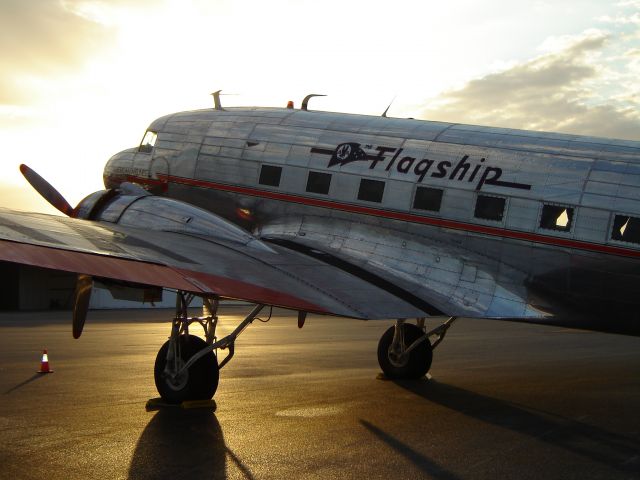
point(347, 153)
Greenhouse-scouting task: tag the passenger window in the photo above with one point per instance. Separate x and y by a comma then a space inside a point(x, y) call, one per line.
point(556, 217)
point(489, 208)
point(371, 190)
point(318, 182)
point(428, 199)
point(270, 175)
point(626, 228)
point(148, 141)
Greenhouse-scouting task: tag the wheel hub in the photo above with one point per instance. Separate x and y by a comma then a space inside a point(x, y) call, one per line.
point(397, 359)
point(179, 381)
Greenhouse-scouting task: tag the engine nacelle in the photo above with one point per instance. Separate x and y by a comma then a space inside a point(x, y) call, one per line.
point(131, 205)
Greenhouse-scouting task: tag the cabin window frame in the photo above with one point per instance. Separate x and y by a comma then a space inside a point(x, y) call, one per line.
point(423, 188)
point(371, 182)
point(612, 229)
point(503, 214)
point(321, 175)
point(264, 168)
point(572, 217)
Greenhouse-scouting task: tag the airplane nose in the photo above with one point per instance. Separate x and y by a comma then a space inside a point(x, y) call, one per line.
point(118, 168)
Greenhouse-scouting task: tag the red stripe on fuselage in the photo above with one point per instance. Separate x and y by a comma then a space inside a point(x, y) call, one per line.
point(407, 217)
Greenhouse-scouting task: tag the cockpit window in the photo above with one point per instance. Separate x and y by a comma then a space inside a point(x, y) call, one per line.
point(148, 141)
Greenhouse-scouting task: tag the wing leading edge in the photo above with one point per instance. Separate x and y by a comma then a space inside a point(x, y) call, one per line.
point(195, 263)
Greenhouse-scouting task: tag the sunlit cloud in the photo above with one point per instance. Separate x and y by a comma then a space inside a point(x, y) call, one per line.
point(42, 37)
point(583, 84)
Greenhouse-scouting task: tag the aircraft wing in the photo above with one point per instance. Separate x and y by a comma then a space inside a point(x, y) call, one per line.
point(256, 272)
point(442, 278)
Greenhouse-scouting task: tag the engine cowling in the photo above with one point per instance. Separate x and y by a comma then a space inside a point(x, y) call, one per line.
point(131, 205)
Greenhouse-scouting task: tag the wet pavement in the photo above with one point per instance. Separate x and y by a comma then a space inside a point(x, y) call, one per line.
point(505, 401)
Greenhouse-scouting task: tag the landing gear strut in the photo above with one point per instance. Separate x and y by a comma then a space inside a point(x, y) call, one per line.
point(406, 350)
point(187, 366)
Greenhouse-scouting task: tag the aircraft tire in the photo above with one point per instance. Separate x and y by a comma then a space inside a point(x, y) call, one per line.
point(419, 361)
point(201, 379)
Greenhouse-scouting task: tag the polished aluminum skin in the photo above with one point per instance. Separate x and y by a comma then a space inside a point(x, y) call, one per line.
point(199, 253)
point(447, 261)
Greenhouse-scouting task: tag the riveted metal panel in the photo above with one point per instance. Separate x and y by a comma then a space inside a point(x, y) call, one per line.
point(293, 180)
point(225, 142)
point(230, 152)
point(175, 128)
point(227, 170)
point(273, 133)
point(592, 224)
point(596, 200)
point(601, 188)
point(276, 152)
point(308, 136)
point(209, 150)
point(167, 145)
point(259, 119)
point(220, 129)
point(630, 179)
point(307, 119)
point(346, 186)
point(254, 154)
point(242, 130)
point(459, 204)
point(522, 214)
point(396, 194)
point(299, 156)
point(629, 191)
point(626, 205)
point(171, 137)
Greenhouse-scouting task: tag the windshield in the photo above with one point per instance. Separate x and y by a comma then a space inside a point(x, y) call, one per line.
point(148, 141)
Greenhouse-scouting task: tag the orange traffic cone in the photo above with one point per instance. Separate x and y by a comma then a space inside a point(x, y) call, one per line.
point(44, 363)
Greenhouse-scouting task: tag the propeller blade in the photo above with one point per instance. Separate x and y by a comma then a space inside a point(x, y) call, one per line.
point(302, 316)
point(46, 190)
point(82, 295)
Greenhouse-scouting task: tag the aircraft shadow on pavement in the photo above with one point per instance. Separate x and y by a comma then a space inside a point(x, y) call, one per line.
point(420, 460)
point(597, 444)
point(180, 443)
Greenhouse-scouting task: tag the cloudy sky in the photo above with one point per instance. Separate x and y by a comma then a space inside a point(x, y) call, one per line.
point(81, 79)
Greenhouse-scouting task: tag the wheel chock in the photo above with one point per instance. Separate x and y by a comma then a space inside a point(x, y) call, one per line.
point(384, 378)
point(158, 403)
point(199, 404)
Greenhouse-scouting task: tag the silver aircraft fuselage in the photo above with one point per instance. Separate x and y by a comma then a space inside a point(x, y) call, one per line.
point(423, 203)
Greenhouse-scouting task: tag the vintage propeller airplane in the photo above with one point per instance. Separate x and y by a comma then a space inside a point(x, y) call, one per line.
point(348, 215)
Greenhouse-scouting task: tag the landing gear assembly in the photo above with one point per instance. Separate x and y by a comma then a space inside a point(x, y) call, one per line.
point(406, 350)
point(187, 366)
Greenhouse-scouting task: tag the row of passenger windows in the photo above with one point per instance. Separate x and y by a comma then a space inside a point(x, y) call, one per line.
point(554, 217)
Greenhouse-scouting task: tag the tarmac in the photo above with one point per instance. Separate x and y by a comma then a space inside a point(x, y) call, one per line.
point(505, 400)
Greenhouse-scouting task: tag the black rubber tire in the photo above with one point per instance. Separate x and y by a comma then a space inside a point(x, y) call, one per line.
point(202, 380)
point(420, 358)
